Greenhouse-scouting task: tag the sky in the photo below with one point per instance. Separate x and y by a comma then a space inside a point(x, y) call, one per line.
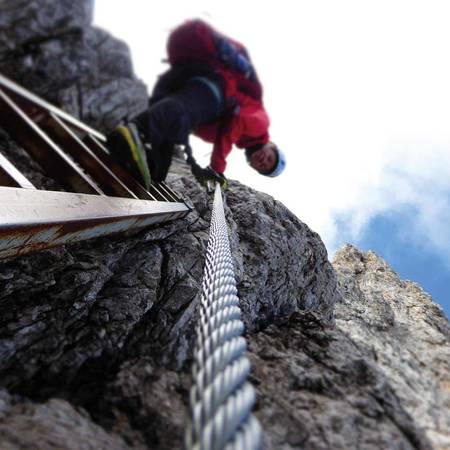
point(359, 98)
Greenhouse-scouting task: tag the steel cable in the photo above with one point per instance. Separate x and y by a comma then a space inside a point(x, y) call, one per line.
point(221, 399)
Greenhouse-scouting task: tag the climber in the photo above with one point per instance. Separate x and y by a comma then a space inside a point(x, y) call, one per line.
point(211, 90)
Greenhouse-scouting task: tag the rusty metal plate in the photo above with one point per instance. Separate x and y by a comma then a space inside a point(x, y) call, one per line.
point(33, 220)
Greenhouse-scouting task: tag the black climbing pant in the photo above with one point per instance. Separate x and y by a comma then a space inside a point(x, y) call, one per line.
point(170, 120)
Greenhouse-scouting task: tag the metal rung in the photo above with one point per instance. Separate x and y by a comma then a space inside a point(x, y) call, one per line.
point(10, 176)
point(46, 152)
point(156, 190)
point(35, 105)
point(73, 154)
point(102, 153)
point(171, 192)
point(95, 171)
point(82, 155)
point(33, 219)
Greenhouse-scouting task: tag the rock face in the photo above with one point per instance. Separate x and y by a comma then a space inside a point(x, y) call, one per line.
point(96, 338)
point(405, 333)
point(53, 424)
point(50, 47)
point(378, 379)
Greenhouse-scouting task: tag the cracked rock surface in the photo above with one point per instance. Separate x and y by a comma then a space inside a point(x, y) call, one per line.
point(96, 338)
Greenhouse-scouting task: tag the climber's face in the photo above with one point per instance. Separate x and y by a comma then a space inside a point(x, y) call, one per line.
point(264, 159)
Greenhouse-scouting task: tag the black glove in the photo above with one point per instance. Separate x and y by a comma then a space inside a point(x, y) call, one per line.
point(207, 175)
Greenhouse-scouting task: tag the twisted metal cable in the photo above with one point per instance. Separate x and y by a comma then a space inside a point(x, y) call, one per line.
point(221, 399)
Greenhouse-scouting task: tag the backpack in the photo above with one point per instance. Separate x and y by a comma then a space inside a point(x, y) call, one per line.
point(197, 42)
point(192, 42)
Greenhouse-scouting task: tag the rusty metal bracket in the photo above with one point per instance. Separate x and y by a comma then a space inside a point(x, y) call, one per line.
point(103, 197)
point(32, 219)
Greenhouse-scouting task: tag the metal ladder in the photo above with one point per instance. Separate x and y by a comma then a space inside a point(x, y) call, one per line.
point(102, 197)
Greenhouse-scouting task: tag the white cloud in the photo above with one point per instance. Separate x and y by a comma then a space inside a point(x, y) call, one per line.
point(415, 178)
point(358, 92)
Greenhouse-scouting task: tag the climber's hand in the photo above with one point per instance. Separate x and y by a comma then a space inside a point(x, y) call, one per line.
point(208, 176)
point(223, 181)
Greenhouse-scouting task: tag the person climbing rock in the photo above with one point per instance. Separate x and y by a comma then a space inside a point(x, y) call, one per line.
point(211, 90)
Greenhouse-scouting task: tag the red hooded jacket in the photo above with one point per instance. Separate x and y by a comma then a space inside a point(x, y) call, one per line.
point(245, 122)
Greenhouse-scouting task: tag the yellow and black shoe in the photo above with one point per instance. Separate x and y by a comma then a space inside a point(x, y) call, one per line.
point(127, 148)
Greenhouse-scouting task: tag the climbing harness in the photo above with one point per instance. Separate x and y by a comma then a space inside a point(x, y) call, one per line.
point(221, 398)
point(103, 198)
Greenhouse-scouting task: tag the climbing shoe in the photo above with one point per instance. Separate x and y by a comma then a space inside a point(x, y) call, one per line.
point(128, 150)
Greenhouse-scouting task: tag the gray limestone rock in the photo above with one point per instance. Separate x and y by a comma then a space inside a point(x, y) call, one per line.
point(25, 22)
point(318, 389)
point(51, 48)
point(54, 424)
point(403, 331)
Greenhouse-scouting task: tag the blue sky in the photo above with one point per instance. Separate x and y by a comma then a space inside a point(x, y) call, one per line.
point(358, 94)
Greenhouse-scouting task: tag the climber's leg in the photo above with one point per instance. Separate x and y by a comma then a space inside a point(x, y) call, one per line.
point(172, 119)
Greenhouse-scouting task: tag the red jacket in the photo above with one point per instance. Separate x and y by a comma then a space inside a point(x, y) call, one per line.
point(246, 123)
